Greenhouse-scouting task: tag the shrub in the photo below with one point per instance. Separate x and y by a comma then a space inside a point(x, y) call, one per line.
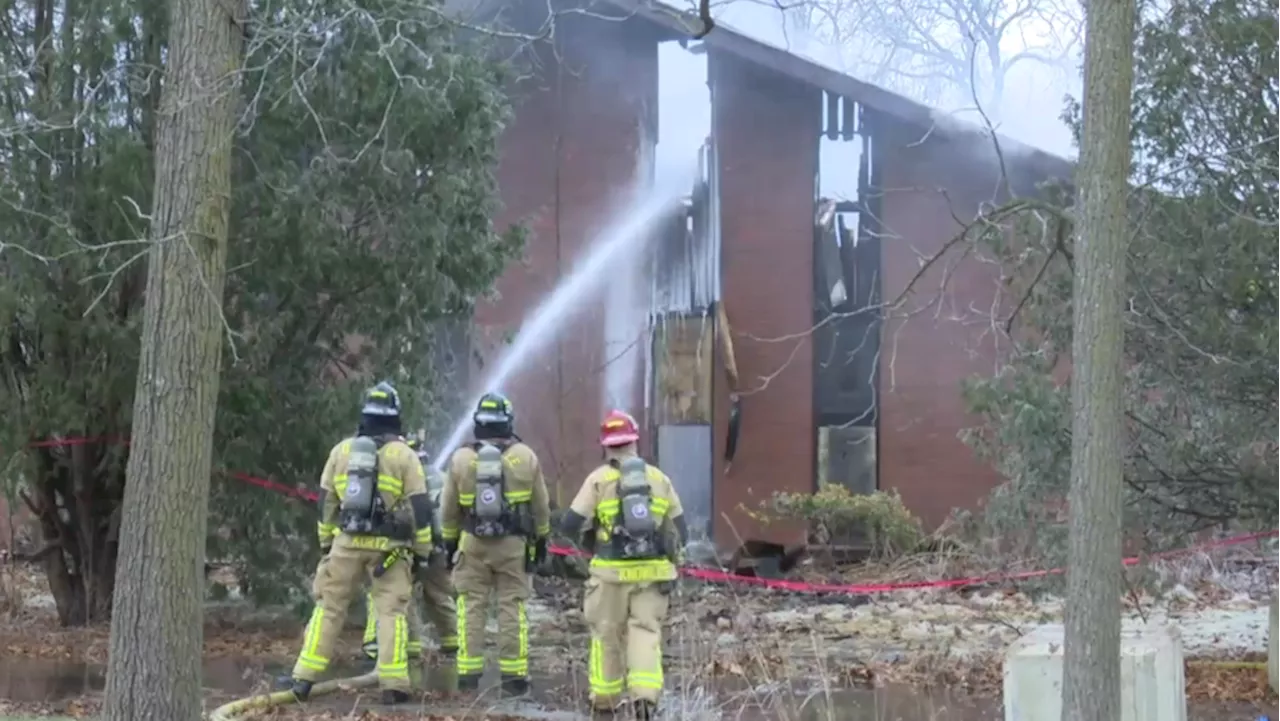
point(879, 520)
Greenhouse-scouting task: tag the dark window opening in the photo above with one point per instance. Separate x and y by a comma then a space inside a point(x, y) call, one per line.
point(846, 300)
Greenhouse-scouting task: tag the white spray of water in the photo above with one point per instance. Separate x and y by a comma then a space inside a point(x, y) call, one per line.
point(625, 315)
point(618, 240)
point(625, 312)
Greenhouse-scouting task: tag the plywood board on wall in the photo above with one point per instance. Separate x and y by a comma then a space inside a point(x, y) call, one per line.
point(684, 354)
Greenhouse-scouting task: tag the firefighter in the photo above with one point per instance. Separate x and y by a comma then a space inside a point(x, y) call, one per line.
point(437, 588)
point(495, 520)
point(375, 521)
point(638, 529)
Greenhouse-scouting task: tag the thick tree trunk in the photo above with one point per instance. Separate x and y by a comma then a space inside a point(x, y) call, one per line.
point(77, 500)
point(156, 627)
point(1091, 684)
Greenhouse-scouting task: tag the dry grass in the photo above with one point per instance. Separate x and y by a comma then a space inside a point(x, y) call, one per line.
point(951, 562)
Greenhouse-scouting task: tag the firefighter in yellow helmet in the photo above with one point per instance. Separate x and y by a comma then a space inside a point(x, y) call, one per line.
point(437, 588)
point(639, 530)
point(495, 519)
point(375, 522)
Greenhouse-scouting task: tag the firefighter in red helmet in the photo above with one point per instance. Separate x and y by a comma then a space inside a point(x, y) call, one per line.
point(635, 516)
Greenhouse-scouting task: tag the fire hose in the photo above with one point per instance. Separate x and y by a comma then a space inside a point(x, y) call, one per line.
point(239, 707)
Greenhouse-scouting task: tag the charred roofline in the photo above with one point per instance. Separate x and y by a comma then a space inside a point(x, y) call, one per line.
point(684, 26)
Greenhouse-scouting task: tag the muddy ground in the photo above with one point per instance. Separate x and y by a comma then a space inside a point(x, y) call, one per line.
point(732, 651)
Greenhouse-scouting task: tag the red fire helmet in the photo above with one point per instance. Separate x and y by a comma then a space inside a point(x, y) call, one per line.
point(618, 429)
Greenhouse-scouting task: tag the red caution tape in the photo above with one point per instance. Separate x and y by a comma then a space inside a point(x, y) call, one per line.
point(716, 576)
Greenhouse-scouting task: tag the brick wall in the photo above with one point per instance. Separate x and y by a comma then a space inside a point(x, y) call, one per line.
point(948, 335)
point(767, 147)
point(574, 147)
point(567, 158)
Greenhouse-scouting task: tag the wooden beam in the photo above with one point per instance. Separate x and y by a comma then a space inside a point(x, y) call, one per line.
point(725, 334)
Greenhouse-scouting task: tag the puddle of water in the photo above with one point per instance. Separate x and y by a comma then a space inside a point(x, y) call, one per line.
point(563, 698)
point(36, 680)
point(907, 704)
point(880, 704)
point(894, 704)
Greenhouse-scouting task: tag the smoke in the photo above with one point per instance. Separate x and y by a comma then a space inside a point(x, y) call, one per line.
point(625, 309)
point(1036, 53)
point(684, 108)
point(684, 123)
point(625, 326)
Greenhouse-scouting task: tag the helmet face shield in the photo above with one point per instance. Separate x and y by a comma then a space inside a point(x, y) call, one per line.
point(381, 400)
point(490, 417)
point(377, 409)
point(494, 414)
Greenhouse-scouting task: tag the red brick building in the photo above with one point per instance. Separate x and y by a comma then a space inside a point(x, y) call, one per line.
point(873, 393)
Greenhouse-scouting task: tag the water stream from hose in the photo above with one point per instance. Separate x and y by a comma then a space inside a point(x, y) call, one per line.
point(620, 241)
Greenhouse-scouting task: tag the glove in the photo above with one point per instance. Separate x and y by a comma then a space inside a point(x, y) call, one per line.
point(535, 553)
point(450, 550)
point(324, 551)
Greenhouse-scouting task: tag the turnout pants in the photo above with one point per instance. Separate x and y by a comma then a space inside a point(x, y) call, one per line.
point(437, 603)
point(485, 567)
point(338, 580)
point(626, 640)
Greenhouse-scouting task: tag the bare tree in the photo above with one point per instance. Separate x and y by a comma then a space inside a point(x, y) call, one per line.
point(1091, 665)
point(157, 624)
point(937, 50)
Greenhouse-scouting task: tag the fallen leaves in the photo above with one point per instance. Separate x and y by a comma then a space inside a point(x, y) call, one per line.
point(1214, 681)
point(90, 645)
point(1240, 681)
point(80, 707)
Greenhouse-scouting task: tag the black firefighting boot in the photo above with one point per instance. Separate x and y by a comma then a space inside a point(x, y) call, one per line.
point(283, 683)
point(603, 712)
point(368, 657)
point(468, 682)
point(391, 696)
point(515, 685)
point(642, 710)
point(301, 689)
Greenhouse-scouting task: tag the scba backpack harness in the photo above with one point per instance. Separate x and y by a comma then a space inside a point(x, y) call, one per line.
point(635, 529)
point(363, 511)
point(491, 515)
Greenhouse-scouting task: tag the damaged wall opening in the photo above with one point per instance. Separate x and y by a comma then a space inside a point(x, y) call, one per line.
point(685, 285)
point(847, 290)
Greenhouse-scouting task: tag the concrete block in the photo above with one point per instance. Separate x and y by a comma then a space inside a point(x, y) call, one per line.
point(1272, 641)
point(1152, 684)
